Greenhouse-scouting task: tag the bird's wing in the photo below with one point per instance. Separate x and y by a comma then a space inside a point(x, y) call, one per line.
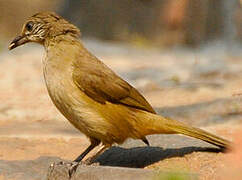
point(101, 84)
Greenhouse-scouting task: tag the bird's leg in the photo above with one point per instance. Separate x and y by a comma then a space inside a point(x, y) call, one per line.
point(73, 165)
point(145, 141)
point(99, 151)
point(94, 143)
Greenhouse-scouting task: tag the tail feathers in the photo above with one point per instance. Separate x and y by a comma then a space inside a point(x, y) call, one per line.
point(181, 128)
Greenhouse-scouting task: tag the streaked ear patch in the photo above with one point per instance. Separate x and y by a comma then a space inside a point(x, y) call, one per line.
point(38, 30)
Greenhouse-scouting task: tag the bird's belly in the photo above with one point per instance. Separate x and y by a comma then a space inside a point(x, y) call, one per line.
point(88, 115)
point(63, 99)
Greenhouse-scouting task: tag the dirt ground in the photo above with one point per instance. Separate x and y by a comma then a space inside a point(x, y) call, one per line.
point(200, 87)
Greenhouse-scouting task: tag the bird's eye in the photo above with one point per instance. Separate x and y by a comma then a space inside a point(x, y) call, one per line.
point(29, 26)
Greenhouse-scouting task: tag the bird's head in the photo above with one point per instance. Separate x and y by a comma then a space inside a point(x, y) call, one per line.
point(42, 26)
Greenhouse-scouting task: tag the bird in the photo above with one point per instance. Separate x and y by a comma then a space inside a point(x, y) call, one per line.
point(92, 97)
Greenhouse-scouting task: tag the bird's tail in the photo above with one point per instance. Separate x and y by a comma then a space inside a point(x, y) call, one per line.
point(199, 134)
point(161, 125)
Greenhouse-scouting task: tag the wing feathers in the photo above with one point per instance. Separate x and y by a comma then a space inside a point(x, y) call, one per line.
point(101, 84)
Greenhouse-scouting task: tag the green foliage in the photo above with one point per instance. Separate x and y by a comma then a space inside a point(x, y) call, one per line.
point(175, 176)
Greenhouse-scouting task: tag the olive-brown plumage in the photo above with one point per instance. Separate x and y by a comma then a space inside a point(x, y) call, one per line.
point(90, 95)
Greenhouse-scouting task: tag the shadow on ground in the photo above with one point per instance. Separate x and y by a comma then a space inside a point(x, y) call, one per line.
point(140, 157)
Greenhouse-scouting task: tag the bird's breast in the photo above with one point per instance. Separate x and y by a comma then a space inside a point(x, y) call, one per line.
point(63, 91)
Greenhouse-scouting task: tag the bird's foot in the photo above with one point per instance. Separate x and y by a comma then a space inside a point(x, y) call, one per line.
point(64, 166)
point(71, 166)
point(87, 162)
point(66, 163)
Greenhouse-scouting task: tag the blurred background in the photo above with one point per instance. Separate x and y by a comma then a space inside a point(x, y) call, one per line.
point(184, 56)
point(162, 23)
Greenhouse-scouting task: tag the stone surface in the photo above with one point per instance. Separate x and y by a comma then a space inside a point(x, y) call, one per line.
point(64, 172)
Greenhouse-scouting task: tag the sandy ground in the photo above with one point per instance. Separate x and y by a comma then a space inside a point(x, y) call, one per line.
point(198, 87)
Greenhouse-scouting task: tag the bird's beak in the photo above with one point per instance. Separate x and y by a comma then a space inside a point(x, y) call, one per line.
point(18, 41)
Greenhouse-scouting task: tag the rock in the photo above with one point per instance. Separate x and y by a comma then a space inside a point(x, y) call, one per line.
point(27, 170)
point(64, 172)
